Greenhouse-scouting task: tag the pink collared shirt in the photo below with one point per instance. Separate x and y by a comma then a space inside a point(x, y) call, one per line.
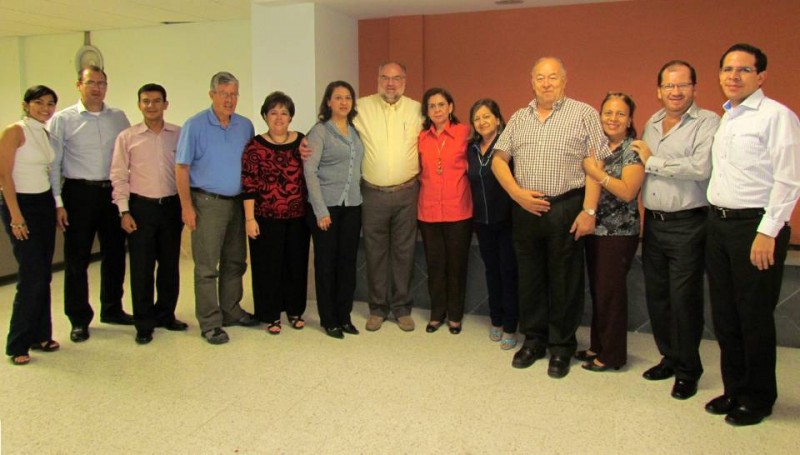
point(444, 196)
point(144, 163)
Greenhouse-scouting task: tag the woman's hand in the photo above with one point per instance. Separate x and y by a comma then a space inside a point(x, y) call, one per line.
point(593, 167)
point(324, 223)
point(641, 149)
point(251, 226)
point(19, 229)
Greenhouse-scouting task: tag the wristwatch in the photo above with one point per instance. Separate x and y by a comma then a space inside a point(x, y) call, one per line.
point(590, 212)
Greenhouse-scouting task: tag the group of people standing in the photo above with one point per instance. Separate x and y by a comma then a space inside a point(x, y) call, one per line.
point(550, 192)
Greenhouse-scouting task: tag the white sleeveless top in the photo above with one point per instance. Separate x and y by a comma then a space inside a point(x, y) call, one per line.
point(32, 160)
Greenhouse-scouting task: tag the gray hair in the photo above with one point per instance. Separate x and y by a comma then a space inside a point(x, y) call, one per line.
point(392, 62)
point(223, 78)
point(560, 63)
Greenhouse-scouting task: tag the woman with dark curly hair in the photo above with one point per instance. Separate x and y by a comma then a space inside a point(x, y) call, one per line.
point(274, 193)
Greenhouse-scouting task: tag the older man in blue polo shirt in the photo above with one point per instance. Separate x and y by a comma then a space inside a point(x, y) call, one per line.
point(208, 176)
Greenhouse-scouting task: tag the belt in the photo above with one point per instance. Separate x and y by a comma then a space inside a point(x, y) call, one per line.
point(392, 188)
point(677, 215)
point(214, 195)
point(100, 183)
point(564, 196)
point(737, 214)
point(157, 200)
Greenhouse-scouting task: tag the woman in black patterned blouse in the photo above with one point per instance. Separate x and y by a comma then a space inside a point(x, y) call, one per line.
point(610, 250)
point(274, 192)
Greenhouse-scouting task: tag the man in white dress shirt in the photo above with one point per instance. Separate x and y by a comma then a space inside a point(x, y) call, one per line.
point(755, 183)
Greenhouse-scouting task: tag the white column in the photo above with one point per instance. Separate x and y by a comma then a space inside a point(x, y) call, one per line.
point(298, 49)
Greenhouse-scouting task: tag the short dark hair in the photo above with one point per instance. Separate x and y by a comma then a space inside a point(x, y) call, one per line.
point(277, 99)
point(494, 108)
point(431, 92)
point(94, 68)
point(761, 57)
point(39, 91)
point(673, 63)
point(631, 131)
point(325, 111)
point(151, 87)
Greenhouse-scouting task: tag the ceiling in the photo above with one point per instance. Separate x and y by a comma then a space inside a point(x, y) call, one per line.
point(45, 17)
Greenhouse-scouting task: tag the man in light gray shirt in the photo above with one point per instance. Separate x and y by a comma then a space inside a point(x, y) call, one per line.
point(677, 166)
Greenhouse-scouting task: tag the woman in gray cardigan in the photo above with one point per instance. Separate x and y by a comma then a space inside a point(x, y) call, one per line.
point(333, 178)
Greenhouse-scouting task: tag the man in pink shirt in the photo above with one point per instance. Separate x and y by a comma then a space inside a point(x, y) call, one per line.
point(143, 177)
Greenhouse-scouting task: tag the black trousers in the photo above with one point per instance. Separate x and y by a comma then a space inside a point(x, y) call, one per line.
point(608, 260)
point(156, 240)
point(551, 276)
point(335, 253)
point(31, 321)
point(743, 301)
point(446, 252)
point(673, 261)
point(90, 212)
point(279, 261)
point(500, 262)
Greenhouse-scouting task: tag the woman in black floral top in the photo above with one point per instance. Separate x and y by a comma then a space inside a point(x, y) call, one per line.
point(610, 250)
point(275, 195)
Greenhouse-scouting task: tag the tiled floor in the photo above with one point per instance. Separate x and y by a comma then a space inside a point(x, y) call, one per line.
point(383, 392)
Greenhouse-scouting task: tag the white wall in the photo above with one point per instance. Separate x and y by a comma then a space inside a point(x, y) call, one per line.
point(182, 58)
point(336, 51)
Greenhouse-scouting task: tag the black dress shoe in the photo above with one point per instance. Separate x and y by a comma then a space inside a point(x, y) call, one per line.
point(144, 336)
point(744, 415)
point(584, 356)
point(350, 329)
point(122, 318)
point(684, 389)
point(174, 325)
point(721, 405)
point(334, 332)
point(558, 367)
point(659, 373)
point(526, 356)
point(431, 327)
point(79, 333)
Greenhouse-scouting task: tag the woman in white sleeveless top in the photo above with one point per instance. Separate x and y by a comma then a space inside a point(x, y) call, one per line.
point(28, 211)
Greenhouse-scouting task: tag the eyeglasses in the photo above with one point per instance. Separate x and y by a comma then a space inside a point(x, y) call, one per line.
point(98, 84)
point(227, 95)
point(681, 87)
point(395, 79)
point(737, 69)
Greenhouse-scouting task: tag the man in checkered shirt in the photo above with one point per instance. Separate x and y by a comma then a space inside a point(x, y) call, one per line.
point(556, 202)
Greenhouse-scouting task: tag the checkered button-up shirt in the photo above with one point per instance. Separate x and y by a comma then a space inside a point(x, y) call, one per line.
point(548, 154)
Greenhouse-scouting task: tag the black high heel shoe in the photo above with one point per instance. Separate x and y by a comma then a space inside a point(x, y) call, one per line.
point(584, 356)
point(431, 327)
point(593, 366)
point(454, 329)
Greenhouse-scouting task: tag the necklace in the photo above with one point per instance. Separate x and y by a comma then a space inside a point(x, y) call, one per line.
point(288, 134)
point(439, 168)
point(488, 157)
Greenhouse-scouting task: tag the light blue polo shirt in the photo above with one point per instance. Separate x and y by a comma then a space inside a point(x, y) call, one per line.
point(214, 153)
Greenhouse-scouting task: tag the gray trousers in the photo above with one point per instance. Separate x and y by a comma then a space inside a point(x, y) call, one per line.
point(219, 252)
point(389, 224)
